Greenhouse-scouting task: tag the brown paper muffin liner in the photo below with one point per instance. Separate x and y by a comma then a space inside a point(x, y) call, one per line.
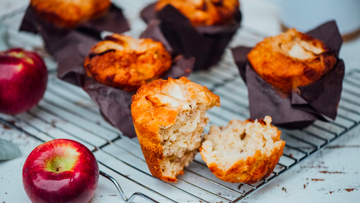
point(206, 43)
point(316, 101)
point(114, 104)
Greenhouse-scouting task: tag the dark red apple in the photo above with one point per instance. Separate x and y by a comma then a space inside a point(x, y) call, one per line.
point(60, 171)
point(23, 79)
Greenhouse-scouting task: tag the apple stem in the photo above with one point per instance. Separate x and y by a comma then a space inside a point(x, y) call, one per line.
point(122, 194)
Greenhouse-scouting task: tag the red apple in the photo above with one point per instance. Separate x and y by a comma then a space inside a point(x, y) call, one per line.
point(23, 79)
point(60, 171)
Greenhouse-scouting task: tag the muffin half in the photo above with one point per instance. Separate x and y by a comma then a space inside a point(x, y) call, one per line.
point(291, 59)
point(169, 117)
point(126, 63)
point(243, 151)
point(69, 13)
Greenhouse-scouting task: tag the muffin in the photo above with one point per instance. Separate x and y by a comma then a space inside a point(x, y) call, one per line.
point(126, 63)
point(169, 117)
point(204, 12)
point(243, 151)
point(69, 13)
point(291, 59)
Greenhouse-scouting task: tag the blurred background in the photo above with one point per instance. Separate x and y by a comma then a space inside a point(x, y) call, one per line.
point(271, 17)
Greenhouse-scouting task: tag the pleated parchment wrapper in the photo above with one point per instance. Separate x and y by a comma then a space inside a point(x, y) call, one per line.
point(205, 43)
point(312, 102)
point(114, 104)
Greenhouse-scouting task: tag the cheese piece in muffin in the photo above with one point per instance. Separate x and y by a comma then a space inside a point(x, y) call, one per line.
point(126, 63)
point(69, 13)
point(243, 151)
point(169, 117)
point(204, 12)
point(291, 59)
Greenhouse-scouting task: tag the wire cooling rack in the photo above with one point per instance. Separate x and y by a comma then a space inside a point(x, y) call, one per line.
point(67, 112)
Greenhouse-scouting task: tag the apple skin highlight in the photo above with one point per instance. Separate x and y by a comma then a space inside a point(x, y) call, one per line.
point(23, 80)
point(60, 171)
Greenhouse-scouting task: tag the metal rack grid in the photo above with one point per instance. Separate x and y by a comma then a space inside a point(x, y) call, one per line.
point(67, 112)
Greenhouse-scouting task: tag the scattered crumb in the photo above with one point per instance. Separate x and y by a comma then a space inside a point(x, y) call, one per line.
point(101, 196)
point(239, 187)
point(332, 172)
point(291, 155)
point(304, 186)
point(97, 122)
point(12, 122)
point(53, 123)
point(6, 127)
point(5, 193)
point(348, 190)
point(278, 185)
point(315, 179)
point(112, 195)
point(283, 189)
point(307, 178)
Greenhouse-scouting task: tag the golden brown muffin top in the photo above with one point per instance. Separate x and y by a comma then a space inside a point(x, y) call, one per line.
point(126, 63)
point(291, 59)
point(69, 13)
point(204, 12)
point(158, 102)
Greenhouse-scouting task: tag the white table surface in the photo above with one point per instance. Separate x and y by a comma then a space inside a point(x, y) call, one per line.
point(332, 175)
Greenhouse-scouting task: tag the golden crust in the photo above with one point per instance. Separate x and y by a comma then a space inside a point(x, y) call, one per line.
point(69, 13)
point(251, 170)
point(291, 59)
point(204, 12)
point(148, 116)
point(126, 63)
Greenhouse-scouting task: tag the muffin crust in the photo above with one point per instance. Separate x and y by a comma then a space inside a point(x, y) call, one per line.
point(291, 59)
point(69, 13)
point(243, 151)
point(204, 12)
point(126, 63)
point(169, 117)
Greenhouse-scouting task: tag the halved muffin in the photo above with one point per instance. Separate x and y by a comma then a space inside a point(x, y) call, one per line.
point(291, 59)
point(169, 117)
point(126, 63)
point(204, 12)
point(243, 151)
point(69, 13)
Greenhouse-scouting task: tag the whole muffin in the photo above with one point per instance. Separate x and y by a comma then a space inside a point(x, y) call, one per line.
point(204, 12)
point(291, 59)
point(69, 13)
point(126, 63)
point(169, 117)
point(243, 151)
